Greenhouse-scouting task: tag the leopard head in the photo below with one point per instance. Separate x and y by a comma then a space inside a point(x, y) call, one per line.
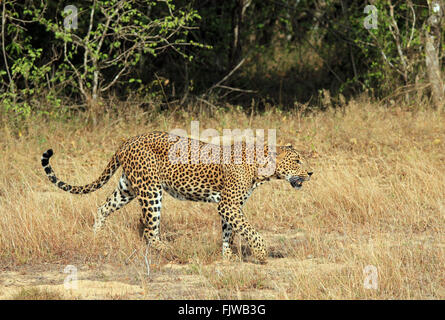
point(290, 166)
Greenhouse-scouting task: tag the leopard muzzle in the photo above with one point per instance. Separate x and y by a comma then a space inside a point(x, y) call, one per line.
point(297, 181)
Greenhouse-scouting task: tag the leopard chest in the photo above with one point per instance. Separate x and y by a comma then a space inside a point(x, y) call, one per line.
point(250, 191)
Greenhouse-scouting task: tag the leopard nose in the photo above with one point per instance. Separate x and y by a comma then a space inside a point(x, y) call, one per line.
point(310, 173)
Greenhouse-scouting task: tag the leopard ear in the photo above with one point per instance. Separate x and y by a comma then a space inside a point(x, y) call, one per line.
point(288, 145)
point(281, 152)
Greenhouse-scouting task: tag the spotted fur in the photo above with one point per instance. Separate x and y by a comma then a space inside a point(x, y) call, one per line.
point(149, 170)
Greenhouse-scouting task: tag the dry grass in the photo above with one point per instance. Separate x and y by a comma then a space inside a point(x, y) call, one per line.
point(36, 294)
point(376, 198)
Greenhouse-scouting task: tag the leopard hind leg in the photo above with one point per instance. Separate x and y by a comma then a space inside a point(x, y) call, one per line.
point(121, 196)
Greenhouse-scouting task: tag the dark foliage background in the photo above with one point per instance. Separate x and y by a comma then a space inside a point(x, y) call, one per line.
point(245, 52)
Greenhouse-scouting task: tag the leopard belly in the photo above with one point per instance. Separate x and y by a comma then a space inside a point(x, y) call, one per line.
point(192, 194)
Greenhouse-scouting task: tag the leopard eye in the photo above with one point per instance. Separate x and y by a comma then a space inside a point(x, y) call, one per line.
point(298, 161)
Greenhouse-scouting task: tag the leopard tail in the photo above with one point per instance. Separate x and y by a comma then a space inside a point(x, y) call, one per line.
point(108, 172)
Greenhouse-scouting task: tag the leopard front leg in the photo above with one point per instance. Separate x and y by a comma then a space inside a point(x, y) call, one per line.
point(227, 240)
point(234, 216)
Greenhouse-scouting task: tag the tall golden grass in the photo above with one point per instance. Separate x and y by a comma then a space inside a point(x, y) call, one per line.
point(376, 198)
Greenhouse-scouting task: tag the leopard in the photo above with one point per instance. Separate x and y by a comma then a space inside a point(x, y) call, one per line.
point(189, 169)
